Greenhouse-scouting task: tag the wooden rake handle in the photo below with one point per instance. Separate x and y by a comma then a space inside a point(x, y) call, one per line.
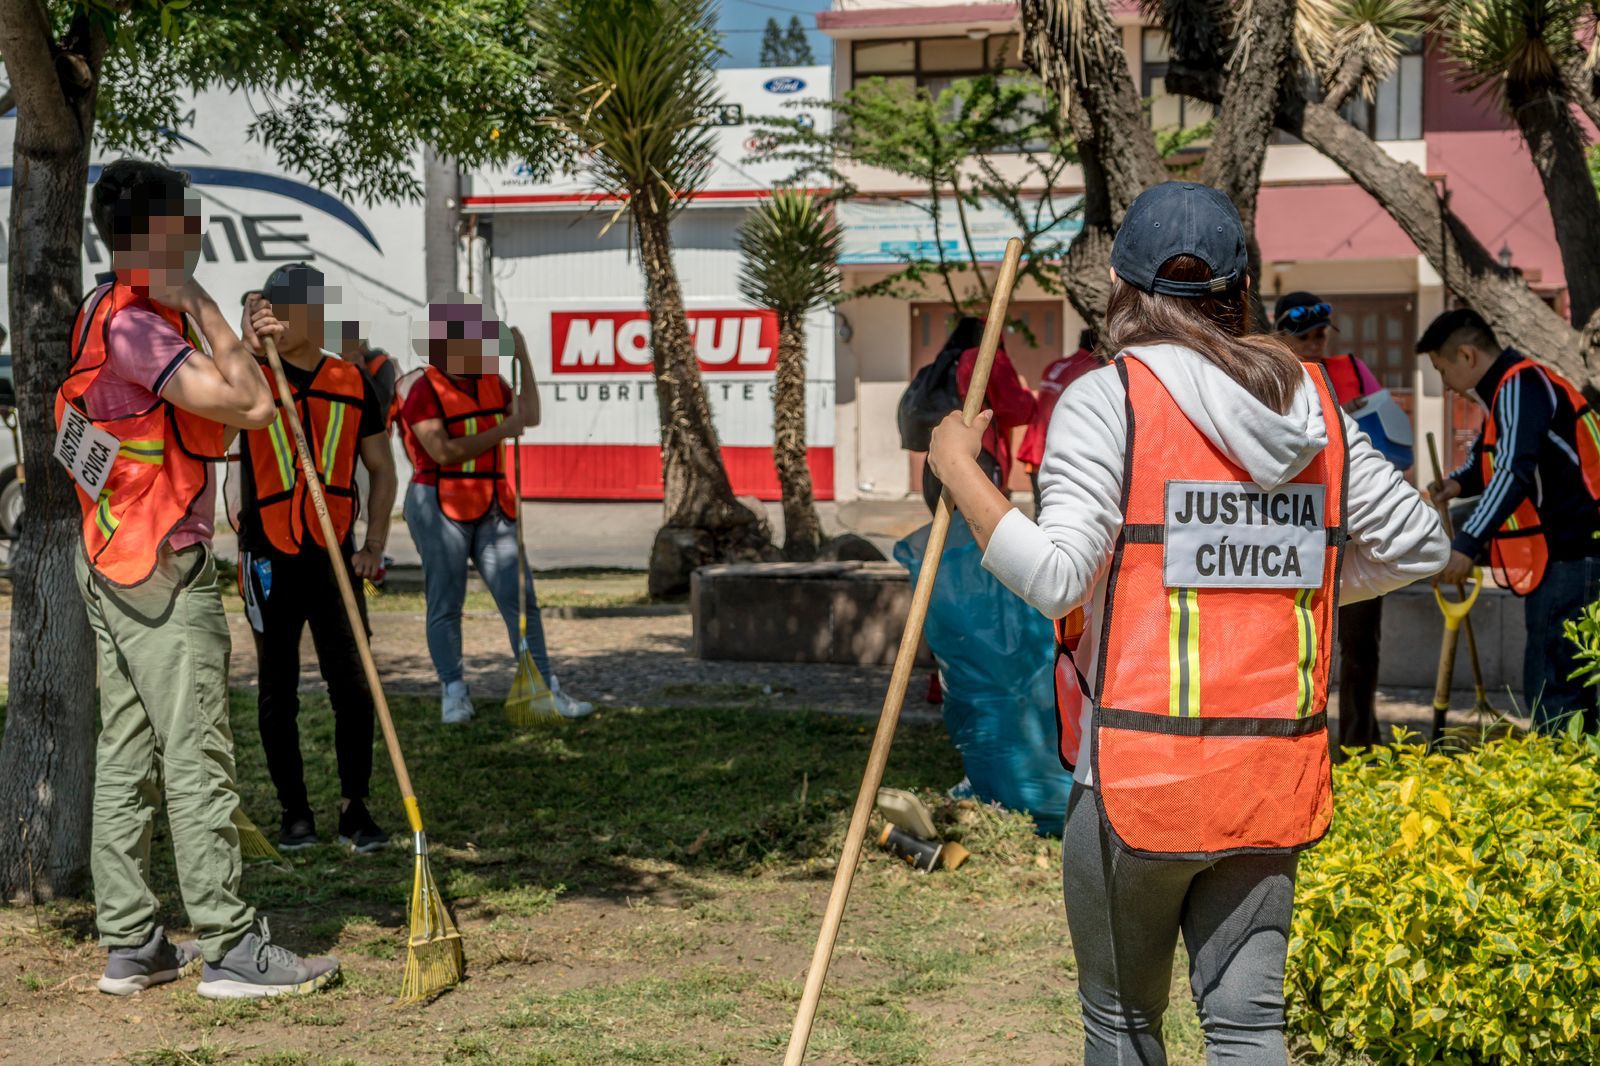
point(904, 659)
point(330, 539)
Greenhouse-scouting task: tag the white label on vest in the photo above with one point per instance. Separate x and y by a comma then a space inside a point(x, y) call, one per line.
point(1230, 534)
point(87, 451)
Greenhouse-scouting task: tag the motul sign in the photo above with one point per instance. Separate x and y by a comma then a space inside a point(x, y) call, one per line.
point(618, 342)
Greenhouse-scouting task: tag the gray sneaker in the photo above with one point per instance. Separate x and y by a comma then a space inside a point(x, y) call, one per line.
point(159, 960)
point(256, 967)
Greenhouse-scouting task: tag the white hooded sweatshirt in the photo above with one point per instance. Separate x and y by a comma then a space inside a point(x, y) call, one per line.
point(1062, 562)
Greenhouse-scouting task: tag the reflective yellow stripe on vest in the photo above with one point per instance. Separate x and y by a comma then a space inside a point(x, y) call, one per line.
point(103, 517)
point(282, 452)
point(1183, 643)
point(330, 439)
point(467, 430)
point(1306, 626)
point(143, 451)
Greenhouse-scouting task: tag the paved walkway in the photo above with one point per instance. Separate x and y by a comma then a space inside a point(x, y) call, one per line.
point(563, 536)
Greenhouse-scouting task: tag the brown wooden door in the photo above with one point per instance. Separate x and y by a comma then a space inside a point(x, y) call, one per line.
point(1382, 331)
point(1030, 353)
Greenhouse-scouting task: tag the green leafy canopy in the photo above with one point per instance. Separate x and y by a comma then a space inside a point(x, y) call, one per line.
point(345, 91)
point(993, 140)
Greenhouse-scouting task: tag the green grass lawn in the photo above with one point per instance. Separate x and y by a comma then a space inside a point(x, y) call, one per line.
point(641, 887)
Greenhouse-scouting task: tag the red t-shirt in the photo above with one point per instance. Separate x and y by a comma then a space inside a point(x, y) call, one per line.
point(1008, 397)
point(421, 405)
point(1057, 376)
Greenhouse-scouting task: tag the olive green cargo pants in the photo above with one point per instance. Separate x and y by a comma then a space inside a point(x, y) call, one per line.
point(163, 651)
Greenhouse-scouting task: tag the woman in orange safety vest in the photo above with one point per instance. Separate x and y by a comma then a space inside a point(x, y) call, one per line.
point(455, 420)
point(1206, 505)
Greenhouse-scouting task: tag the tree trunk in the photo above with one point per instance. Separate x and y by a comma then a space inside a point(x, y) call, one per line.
point(1519, 317)
point(1544, 115)
point(802, 529)
point(47, 753)
point(1076, 49)
point(1244, 122)
point(704, 523)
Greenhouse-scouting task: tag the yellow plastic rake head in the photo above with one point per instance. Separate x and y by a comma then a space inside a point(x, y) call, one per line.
point(1455, 611)
point(530, 701)
point(434, 959)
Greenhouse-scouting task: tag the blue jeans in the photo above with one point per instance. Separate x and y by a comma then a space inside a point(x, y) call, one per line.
point(446, 545)
point(1550, 658)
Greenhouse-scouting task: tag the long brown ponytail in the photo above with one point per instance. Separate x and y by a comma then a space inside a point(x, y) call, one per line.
point(1220, 327)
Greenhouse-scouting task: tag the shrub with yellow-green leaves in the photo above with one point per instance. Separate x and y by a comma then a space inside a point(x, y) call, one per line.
point(1453, 913)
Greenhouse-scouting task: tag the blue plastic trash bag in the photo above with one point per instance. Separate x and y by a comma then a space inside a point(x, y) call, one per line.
point(996, 655)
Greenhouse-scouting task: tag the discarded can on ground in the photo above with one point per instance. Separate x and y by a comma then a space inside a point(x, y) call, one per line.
point(921, 854)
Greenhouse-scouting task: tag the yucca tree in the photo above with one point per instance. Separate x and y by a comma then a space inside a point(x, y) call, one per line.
point(628, 84)
point(790, 246)
point(1521, 50)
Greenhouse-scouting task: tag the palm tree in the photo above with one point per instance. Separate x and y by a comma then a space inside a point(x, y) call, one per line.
point(1522, 49)
point(628, 84)
point(791, 265)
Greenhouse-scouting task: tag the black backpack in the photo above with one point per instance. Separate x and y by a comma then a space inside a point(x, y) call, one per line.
point(931, 395)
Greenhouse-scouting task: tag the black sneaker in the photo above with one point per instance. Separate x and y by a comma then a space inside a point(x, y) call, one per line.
point(159, 960)
point(299, 831)
point(357, 830)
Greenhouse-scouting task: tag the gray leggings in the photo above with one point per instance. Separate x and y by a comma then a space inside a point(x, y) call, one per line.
point(1125, 914)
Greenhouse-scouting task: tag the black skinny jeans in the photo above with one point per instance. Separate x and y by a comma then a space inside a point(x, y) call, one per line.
point(304, 592)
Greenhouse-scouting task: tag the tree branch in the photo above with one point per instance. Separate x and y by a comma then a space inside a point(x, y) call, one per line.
point(1346, 80)
point(1517, 314)
point(27, 43)
point(1244, 121)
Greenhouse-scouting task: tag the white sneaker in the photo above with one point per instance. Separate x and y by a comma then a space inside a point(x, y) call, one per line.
point(566, 706)
point(455, 704)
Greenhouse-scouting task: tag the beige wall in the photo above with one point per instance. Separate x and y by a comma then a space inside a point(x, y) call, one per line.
point(873, 370)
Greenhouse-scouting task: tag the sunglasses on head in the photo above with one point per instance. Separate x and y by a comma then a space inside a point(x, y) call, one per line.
point(1306, 313)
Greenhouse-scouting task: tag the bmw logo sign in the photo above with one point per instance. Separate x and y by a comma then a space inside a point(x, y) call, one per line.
point(784, 85)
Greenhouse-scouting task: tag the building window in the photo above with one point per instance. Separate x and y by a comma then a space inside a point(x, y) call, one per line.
point(1395, 114)
point(1382, 331)
point(934, 62)
point(1167, 112)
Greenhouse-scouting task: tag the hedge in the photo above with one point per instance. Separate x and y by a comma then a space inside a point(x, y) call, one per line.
point(1453, 912)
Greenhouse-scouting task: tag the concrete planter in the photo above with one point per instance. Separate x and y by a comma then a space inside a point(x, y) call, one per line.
point(853, 613)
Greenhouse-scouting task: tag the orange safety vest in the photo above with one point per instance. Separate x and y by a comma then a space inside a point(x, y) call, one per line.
point(1518, 552)
point(276, 500)
point(1345, 377)
point(467, 491)
point(1209, 731)
point(163, 461)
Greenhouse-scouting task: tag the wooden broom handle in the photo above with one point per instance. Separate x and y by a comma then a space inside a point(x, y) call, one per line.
point(904, 660)
point(330, 539)
point(516, 491)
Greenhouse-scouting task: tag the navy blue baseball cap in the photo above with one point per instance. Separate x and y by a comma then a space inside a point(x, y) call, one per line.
point(1181, 218)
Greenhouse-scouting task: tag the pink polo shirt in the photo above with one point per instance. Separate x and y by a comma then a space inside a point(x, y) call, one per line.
point(143, 351)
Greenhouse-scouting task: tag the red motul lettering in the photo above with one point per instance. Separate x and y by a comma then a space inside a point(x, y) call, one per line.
point(618, 342)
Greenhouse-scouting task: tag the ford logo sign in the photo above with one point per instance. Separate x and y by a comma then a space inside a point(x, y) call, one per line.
point(783, 85)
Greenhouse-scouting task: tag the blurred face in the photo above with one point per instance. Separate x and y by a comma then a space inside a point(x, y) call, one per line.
point(1461, 366)
point(163, 257)
point(1311, 345)
point(464, 357)
point(303, 325)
